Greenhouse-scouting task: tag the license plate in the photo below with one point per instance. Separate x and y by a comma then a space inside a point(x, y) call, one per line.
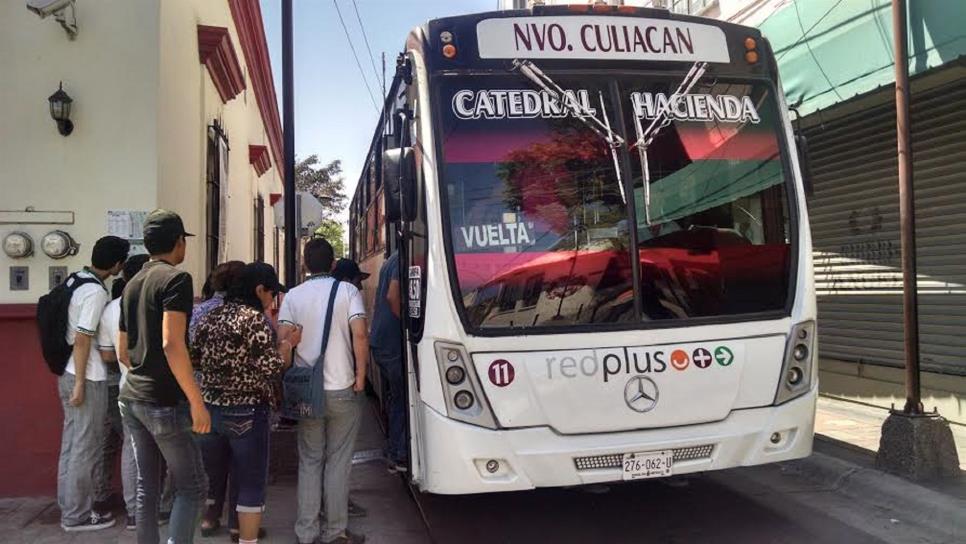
point(648, 464)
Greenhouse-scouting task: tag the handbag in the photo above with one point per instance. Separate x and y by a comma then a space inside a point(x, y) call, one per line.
point(303, 392)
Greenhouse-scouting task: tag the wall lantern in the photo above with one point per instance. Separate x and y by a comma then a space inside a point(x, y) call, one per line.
point(58, 244)
point(60, 110)
point(18, 245)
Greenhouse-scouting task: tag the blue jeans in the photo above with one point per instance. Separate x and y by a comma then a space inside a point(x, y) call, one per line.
point(391, 366)
point(165, 431)
point(238, 444)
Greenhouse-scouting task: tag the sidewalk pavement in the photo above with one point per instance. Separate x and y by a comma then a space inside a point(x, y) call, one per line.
point(847, 433)
point(860, 425)
point(393, 516)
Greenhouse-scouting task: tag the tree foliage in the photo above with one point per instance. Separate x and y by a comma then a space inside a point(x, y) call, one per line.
point(334, 232)
point(324, 182)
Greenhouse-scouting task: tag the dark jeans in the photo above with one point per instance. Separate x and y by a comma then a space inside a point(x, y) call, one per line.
point(217, 488)
point(165, 431)
point(238, 444)
point(391, 366)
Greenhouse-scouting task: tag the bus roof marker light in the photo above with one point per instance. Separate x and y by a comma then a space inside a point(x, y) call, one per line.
point(750, 43)
point(751, 57)
point(579, 8)
point(449, 51)
point(446, 36)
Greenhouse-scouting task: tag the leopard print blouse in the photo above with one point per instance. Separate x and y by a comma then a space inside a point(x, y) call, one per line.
point(234, 350)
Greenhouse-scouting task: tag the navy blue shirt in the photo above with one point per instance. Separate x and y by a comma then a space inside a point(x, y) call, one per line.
point(385, 335)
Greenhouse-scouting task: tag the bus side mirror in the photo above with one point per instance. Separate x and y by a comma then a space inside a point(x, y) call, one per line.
point(399, 176)
point(801, 145)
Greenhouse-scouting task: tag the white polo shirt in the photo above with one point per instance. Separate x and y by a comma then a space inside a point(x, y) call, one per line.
point(306, 305)
point(83, 317)
point(108, 330)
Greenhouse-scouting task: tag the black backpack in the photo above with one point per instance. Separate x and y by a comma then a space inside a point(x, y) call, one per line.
point(52, 322)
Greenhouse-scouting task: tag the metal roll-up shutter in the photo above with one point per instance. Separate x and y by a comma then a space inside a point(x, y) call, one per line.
point(855, 228)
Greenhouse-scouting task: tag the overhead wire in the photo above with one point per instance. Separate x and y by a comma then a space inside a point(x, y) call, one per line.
point(362, 72)
point(365, 38)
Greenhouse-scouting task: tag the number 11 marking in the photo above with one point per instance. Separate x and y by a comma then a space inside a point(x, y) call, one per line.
point(501, 373)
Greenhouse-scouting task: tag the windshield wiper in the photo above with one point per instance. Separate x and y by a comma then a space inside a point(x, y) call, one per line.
point(581, 112)
point(645, 137)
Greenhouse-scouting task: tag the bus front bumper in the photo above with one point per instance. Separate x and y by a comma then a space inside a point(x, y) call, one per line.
point(459, 458)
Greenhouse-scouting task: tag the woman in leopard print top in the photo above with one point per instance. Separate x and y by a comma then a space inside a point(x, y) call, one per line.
point(238, 355)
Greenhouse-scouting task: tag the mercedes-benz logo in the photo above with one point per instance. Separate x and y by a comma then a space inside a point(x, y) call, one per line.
point(641, 394)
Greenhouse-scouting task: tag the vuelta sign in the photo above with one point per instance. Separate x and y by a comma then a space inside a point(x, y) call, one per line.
point(601, 38)
point(497, 235)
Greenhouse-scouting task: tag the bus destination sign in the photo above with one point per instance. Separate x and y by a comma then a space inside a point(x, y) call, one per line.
point(600, 38)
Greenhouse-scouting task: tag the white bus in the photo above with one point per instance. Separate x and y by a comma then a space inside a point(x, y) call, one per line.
point(605, 252)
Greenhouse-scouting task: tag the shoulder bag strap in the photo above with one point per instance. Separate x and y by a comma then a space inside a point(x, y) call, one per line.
point(328, 323)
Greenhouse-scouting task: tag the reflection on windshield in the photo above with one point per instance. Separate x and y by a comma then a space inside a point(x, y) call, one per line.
point(718, 240)
point(539, 229)
point(644, 108)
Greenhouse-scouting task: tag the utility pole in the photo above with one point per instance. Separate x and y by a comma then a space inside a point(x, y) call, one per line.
point(907, 214)
point(914, 444)
point(288, 128)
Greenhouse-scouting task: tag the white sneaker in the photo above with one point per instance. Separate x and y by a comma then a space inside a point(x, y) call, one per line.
point(94, 523)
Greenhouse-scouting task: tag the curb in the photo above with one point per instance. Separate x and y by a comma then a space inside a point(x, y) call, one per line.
point(936, 510)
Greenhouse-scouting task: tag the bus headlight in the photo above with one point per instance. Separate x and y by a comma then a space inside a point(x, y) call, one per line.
point(462, 390)
point(463, 400)
point(798, 369)
point(455, 375)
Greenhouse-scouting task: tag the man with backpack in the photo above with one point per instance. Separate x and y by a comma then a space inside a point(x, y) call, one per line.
point(83, 385)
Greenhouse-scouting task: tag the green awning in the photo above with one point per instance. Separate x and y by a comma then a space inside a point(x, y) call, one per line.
point(703, 185)
point(831, 50)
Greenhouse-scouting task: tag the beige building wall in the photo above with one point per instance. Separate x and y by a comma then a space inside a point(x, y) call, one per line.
point(110, 161)
point(142, 104)
point(188, 104)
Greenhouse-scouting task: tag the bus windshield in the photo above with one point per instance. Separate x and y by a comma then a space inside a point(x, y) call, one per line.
point(539, 224)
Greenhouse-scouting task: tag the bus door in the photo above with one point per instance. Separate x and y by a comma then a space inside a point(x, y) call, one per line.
point(410, 233)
